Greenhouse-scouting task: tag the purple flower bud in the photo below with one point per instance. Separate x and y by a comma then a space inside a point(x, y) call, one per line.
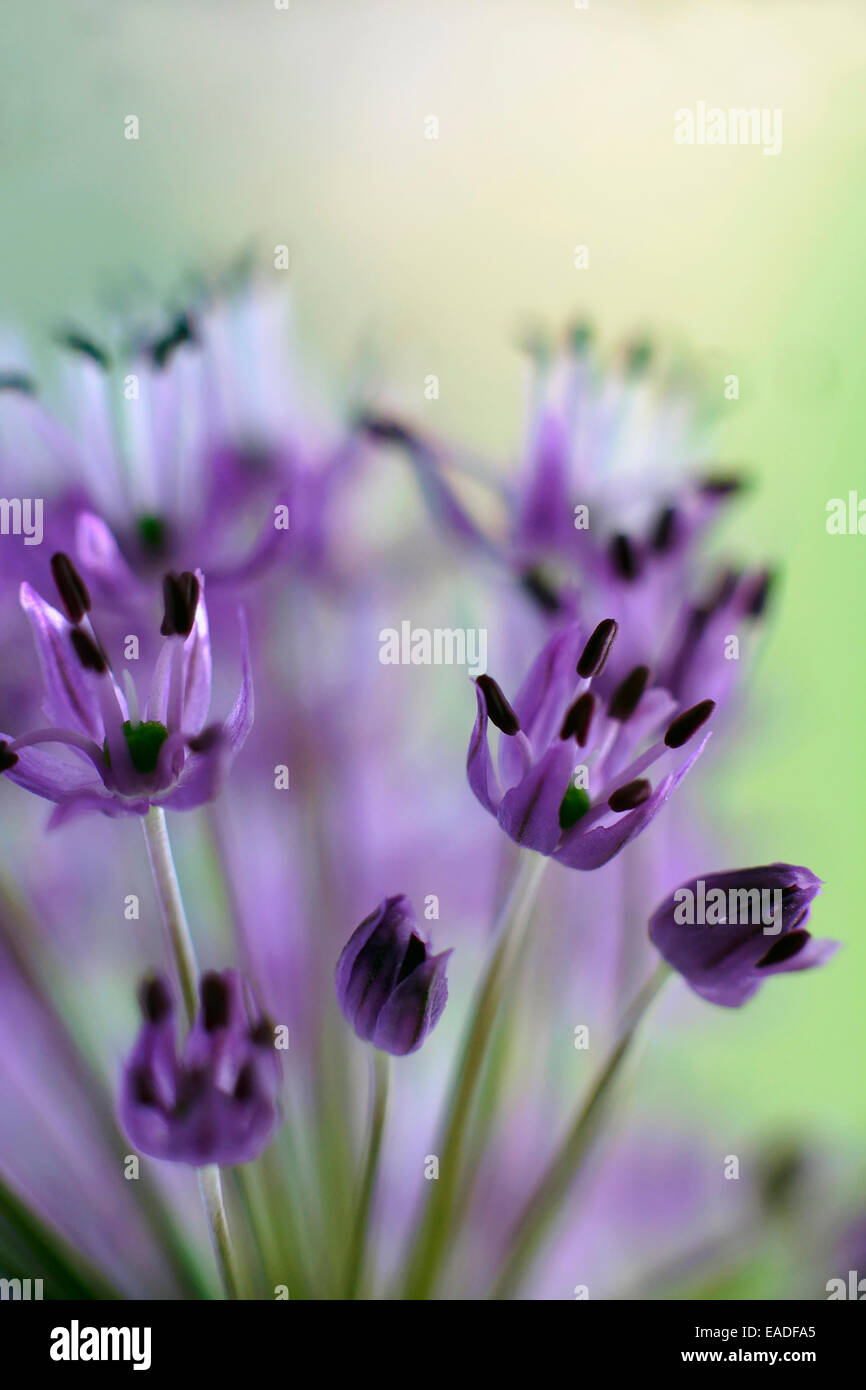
point(216, 1104)
point(389, 987)
point(726, 933)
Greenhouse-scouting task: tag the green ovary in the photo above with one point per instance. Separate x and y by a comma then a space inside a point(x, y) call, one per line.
point(574, 804)
point(144, 742)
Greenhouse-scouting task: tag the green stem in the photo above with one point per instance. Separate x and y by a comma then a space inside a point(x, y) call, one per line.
point(211, 1188)
point(534, 1220)
point(171, 902)
point(437, 1221)
point(357, 1249)
point(182, 953)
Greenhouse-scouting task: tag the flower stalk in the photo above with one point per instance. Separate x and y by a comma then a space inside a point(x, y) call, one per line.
point(534, 1221)
point(433, 1238)
point(381, 1067)
point(182, 952)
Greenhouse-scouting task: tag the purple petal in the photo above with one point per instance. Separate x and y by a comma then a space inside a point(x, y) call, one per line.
point(589, 849)
point(529, 812)
point(413, 1009)
point(479, 764)
point(71, 698)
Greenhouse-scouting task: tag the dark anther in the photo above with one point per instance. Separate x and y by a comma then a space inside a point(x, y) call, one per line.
point(7, 757)
point(595, 653)
point(180, 332)
point(17, 381)
point(631, 795)
point(214, 1001)
point(579, 718)
point(180, 595)
point(664, 531)
point(246, 1083)
point(787, 946)
point(262, 1033)
point(382, 427)
point(537, 587)
point(155, 1001)
point(499, 711)
point(721, 485)
point(70, 586)
point(638, 357)
point(77, 342)
point(680, 730)
point(724, 590)
point(206, 740)
point(757, 601)
point(624, 558)
point(626, 698)
point(87, 651)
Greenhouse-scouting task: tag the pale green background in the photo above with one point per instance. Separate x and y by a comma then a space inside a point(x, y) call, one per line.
point(306, 127)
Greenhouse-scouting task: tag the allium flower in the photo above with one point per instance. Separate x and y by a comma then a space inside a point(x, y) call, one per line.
point(728, 932)
point(559, 736)
point(218, 1102)
point(121, 763)
point(389, 987)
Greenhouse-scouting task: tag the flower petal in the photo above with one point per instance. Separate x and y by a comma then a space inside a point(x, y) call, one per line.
point(529, 812)
point(72, 697)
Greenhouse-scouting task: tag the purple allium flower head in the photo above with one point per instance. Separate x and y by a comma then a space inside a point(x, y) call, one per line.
point(122, 763)
point(559, 737)
point(728, 932)
point(218, 1102)
point(389, 987)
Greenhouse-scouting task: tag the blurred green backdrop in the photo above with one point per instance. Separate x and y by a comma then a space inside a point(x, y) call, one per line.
point(306, 126)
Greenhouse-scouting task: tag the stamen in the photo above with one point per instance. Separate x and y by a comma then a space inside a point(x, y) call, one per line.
point(758, 601)
point(631, 795)
point(721, 485)
point(624, 558)
point(579, 718)
point(131, 698)
point(87, 652)
point(597, 649)
point(681, 729)
point(180, 593)
point(499, 710)
point(7, 757)
point(214, 1001)
point(70, 586)
point(155, 1001)
point(262, 1034)
point(180, 332)
point(77, 342)
point(17, 381)
point(535, 584)
point(664, 532)
point(627, 696)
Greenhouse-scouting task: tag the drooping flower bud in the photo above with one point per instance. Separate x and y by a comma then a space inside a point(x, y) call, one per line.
point(727, 932)
point(391, 990)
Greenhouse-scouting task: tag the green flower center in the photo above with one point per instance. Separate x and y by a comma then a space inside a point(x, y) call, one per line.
point(574, 804)
point(144, 742)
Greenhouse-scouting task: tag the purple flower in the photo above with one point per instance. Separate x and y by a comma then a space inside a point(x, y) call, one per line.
point(728, 932)
point(216, 1104)
point(560, 736)
point(390, 988)
point(122, 763)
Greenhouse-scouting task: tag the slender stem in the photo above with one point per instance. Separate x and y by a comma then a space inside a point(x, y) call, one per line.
point(173, 911)
point(211, 1188)
point(381, 1078)
point(436, 1224)
point(534, 1220)
point(182, 953)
